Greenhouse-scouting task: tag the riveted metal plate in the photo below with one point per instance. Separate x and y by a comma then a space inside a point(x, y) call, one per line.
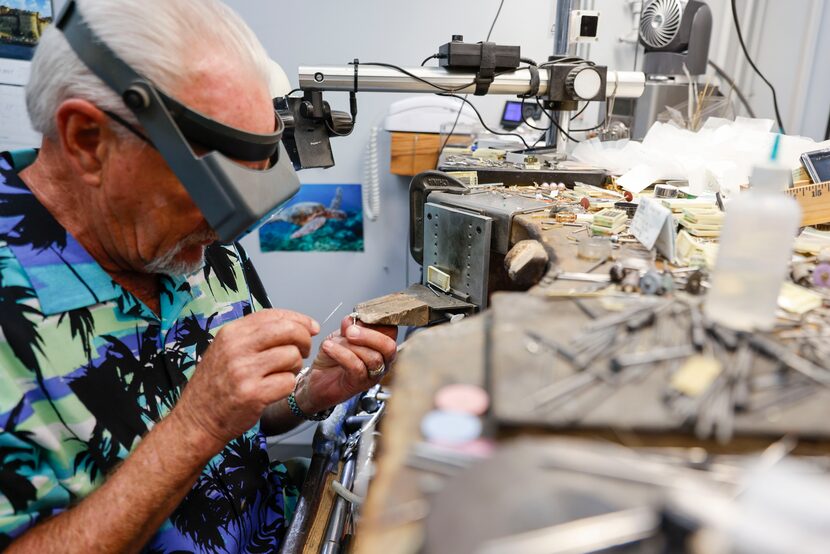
point(458, 243)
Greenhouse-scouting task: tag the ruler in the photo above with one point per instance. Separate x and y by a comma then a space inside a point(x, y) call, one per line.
point(814, 201)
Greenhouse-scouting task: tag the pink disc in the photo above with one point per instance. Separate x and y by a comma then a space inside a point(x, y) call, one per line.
point(468, 399)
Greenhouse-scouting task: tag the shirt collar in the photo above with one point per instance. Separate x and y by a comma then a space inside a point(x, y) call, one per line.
point(63, 275)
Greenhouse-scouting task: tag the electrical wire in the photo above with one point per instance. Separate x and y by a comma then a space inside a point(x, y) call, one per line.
point(461, 109)
point(755, 67)
point(555, 124)
point(481, 119)
point(571, 59)
point(526, 122)
point(452, 130)
point(731, 82)
point(580, 112)
point(419, 79)
point(495, 20)
point(594, 128)
point(371, 188)
point(436, 86)
point(433, 57)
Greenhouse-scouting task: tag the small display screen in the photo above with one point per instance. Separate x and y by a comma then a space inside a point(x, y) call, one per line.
point(821, 164)
point(589, 26)
point(512, 112)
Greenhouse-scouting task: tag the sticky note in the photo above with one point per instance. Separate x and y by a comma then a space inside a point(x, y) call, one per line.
point(696, 375)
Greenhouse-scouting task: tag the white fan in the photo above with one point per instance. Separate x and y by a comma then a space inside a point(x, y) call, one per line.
point(660, 22)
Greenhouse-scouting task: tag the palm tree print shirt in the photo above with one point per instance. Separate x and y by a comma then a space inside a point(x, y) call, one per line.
point(86, 370)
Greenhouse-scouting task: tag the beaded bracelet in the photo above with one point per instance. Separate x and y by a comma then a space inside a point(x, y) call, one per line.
point(295, 409)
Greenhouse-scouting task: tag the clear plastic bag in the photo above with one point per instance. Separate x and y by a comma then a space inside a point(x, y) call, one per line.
point(693, 120)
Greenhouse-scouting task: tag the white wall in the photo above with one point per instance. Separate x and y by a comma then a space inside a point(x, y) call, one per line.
point(334, 32)
point(786, 44)
point(784, 37)
point(306, 32)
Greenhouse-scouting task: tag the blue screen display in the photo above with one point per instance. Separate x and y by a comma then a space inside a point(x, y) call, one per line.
point(512, 111)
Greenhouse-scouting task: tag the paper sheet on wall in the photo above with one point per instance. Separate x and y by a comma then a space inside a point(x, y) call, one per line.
point(15, 128)
point(654, 226)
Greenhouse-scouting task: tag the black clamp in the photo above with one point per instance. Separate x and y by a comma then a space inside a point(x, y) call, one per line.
point(487, 70)
point(535, 83)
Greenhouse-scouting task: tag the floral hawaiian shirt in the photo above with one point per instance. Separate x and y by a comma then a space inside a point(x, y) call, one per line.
point(86, 370)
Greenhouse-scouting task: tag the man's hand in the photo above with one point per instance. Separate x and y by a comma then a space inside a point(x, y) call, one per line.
point(342, 367)
point(251, 364)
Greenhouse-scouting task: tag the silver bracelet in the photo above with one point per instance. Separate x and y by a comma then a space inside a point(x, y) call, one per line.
point(295, 409)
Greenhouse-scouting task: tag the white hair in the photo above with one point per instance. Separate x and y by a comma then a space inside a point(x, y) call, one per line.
point(158, 38)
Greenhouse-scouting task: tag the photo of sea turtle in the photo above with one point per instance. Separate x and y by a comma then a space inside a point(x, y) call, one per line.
point(320, 218)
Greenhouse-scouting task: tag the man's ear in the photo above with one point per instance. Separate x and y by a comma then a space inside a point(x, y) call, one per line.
point(84, 135)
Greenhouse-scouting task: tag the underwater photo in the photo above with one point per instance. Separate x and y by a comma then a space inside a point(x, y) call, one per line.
point(321, 218)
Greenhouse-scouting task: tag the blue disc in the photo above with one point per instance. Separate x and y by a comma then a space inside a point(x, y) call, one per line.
point(445, 427)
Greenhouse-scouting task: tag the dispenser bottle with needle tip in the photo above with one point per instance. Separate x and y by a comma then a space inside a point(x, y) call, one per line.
point(755, 251)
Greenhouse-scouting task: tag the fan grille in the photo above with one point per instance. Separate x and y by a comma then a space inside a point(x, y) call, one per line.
point(660, 22)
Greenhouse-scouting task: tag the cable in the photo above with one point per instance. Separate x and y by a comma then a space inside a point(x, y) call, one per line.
point(419, 79)
point(755, 67)
point(827, 133)
point(580, 112)
point(452, 130)
point(526, 122)
point(495, 20)
point(346, 494)
point(555, 124)
point(572, 59)
point(433, 57)
point(591, 128)
point(481, 119)
point(731, 82)
point(371, 188)
point(430, 83)
point(461, 109)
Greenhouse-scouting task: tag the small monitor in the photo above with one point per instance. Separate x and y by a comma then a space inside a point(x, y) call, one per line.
point(817, 165)
point(513, 114)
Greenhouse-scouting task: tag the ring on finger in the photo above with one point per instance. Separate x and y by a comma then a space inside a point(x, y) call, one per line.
point(374, 374)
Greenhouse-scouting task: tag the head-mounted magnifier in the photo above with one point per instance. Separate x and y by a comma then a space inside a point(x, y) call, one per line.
point(234, 199)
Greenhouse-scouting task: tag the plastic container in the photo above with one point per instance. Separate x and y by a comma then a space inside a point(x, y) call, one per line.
point(755, 251)
point(594, 249)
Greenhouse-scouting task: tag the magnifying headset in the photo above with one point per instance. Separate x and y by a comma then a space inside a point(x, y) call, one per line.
point(234, 199)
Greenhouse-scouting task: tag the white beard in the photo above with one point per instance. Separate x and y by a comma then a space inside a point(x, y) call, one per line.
point(168, 264)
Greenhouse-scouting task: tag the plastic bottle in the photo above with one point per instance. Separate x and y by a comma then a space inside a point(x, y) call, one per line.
point(755, 251)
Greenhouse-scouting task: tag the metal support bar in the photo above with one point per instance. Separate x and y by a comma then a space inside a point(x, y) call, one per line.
point(562, 29)
point(561, 47)
point(622, 84)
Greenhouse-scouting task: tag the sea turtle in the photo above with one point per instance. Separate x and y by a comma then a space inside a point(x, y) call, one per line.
point(311, 216)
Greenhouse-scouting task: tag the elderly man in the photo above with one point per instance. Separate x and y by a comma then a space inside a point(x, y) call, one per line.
point(139, 371)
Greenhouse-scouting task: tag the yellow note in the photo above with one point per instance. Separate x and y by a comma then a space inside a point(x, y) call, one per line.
point(798, 300)
point(696, 375)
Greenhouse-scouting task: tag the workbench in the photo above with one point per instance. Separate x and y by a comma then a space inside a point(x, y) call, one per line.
point(393, 516)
